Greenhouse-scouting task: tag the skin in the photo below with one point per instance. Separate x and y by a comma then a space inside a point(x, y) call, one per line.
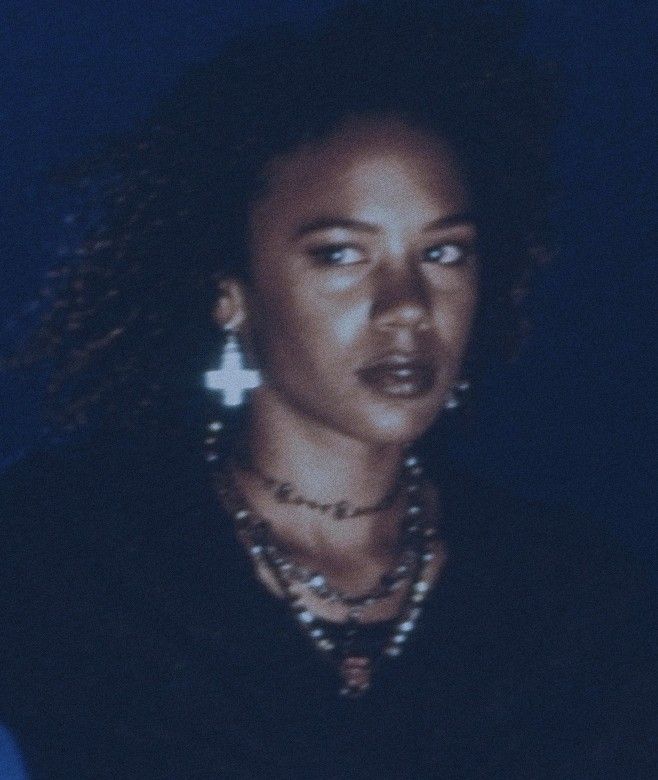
point(361, 245)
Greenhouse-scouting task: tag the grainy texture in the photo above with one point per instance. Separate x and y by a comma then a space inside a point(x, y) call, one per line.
point(136, 642)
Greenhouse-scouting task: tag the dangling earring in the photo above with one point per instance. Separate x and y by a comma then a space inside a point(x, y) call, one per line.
point(457, 395)
point(232, 378)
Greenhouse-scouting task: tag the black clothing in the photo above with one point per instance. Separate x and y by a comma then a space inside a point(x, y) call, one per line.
point(137, 642)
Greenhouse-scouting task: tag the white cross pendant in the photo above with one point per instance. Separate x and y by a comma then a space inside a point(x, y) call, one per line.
point(232, 378)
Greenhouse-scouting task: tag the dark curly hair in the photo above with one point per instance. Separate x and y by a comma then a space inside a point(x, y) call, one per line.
point(126, 328)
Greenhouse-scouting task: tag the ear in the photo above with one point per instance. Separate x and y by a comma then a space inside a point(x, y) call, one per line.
point(231, 306)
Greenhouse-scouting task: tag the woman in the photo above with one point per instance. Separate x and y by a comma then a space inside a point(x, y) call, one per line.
point(344, 222)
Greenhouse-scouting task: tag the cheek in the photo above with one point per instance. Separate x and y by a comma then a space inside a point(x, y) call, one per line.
point(278, 325)
point(315, 326)
point(456, 313)
point(343, 324)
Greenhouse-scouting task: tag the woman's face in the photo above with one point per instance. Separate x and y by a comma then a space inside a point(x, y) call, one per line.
point(364, 280)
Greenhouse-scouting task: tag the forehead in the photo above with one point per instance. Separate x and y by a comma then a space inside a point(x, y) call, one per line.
point(366, 160)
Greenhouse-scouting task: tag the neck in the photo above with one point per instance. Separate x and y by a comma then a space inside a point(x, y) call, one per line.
point(325, 466)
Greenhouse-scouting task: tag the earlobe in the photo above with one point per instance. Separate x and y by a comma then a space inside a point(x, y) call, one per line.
point(230, 310)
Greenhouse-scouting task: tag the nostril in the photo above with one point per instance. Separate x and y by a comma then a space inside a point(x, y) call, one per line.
point(405, 317)
point(402, 308)
point(402, 303)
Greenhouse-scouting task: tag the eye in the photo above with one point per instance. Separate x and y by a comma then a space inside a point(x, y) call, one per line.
point(446, 254)
point(337, 254)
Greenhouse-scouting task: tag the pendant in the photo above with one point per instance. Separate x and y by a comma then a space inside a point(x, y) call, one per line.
point(355, 674)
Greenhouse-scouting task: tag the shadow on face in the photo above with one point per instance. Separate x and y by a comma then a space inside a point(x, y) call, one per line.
point(364, 281)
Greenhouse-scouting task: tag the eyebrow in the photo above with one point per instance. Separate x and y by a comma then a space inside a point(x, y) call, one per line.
point(451, 221)
point(327, 223)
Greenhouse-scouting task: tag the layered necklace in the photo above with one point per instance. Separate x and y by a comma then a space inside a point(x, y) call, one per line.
point(355, 666)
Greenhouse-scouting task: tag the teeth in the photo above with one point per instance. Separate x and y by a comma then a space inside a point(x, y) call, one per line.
point(403, 373)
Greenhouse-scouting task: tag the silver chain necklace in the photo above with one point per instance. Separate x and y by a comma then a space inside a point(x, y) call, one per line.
point(260, 542)
point(355, 669)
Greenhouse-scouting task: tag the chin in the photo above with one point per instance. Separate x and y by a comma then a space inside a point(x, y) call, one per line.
point(378, 419)
point(394, 426)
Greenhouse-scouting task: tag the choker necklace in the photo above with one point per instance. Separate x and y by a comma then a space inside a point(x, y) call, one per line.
point(287, 493)
point(355, 668)
point(257, 532)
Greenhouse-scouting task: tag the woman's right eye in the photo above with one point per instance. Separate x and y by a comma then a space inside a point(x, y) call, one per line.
point(337, 254)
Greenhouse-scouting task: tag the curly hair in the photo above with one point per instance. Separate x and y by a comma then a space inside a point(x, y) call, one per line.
point(127, 329)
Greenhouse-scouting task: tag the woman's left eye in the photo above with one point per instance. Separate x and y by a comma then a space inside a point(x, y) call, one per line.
point(338, 254)
point(445, 254)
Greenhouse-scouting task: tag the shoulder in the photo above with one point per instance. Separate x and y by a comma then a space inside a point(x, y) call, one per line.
point(90, 540)
point(562, 573)
point(96, 516)
point(560, 599)
point(52, 476)
point(56, 496)
point(79, 520)
point(555, 545)
point(77, 482)
point(61, 510)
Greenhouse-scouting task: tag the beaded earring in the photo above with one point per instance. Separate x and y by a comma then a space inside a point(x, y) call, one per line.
point(457, 395)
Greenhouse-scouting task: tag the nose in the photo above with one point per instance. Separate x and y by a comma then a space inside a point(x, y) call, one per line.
point(401, 299)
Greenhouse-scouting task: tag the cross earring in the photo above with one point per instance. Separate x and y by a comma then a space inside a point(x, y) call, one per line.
point(233, 379)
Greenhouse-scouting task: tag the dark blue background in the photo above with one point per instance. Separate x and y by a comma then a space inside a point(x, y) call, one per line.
point(573, 420)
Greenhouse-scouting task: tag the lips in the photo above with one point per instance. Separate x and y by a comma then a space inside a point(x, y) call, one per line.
point(399, 376)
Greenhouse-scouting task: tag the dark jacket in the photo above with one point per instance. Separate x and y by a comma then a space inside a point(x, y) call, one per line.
point(137, 643)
